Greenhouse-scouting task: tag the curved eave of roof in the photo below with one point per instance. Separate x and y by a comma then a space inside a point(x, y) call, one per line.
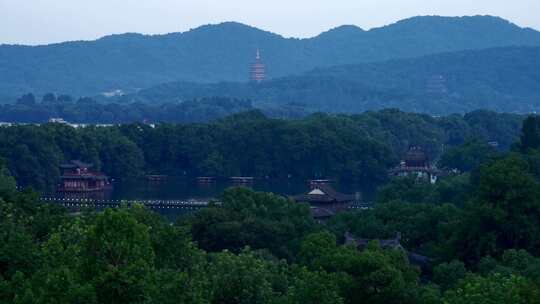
point(94, 177)
point(416, 157)
point(311, 198)
point(414, 169)
point(322, 198)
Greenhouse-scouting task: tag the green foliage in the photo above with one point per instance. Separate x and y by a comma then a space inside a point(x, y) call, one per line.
point(504, 213)
point(176, 286)
point(407, 189)
point(357, 148)
point(118, 257)
point(7, 182)
point(88, 110)
point(530, 134)
point(279, 223)
point(33, 154)
point(314, 287)
point(516, 262)
point(244, 278)
point(481, 232)
point(453, 189)
point(446, 275)
point(467, 157)
point(315, 248)
point(120, 156)
point(533, 158)
point(18, 253)
point(423, 226)
point(493, 289)
point(172, 245)
point(491, 126)
point(373, 275)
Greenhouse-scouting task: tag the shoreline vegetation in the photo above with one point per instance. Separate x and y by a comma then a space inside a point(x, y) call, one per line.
point(478, 230)
point(352, 148)
point(231, 165)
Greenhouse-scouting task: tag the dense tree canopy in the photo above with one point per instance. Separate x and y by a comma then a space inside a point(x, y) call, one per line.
point(530, 138)
point(468, 156)
point(89, 111)
point(280, 225)
point(480, 241)
point(357, 148)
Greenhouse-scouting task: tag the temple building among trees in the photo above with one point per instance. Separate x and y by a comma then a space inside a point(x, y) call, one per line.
point(77, 177)
point(416, 163)
point(324, 201)
point(257, 71)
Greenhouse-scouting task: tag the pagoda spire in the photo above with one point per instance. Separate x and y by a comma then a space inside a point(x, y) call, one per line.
point(257, 70)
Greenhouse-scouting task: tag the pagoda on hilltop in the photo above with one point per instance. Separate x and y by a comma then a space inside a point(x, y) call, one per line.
point(257, 70)
point(436, 86)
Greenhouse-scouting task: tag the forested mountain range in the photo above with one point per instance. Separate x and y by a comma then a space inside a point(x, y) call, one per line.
point(223, 52)
point(500, 79)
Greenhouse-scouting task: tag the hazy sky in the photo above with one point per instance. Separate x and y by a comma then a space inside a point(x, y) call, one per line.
point(46, 21)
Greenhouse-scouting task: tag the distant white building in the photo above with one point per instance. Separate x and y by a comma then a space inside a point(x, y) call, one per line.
point(114, 93)
point(58, 120)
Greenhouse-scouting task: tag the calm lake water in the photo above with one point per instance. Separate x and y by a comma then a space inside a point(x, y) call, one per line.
point(183, 189)
point(186, 189)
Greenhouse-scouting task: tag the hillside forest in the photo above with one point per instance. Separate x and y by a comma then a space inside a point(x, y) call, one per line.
point(479, 231)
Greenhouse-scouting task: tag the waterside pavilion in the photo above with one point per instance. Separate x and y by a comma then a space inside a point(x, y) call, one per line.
point(77, 177)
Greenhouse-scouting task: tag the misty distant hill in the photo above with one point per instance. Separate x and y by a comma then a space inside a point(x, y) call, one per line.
point(500, 79)
point(223, 52)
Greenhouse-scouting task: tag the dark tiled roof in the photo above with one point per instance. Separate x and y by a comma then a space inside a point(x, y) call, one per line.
point(416, 154)
point(73, 164)
point(323, 194)
point(430, 170)
point(85, 176)
point(421, 261)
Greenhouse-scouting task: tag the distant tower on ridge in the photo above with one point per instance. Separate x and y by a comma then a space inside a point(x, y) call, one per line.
point(436, 86)
point(257, 70)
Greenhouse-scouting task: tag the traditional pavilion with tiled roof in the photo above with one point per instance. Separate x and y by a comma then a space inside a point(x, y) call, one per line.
point(77, 177)
point(325, 202)
point(417, 164)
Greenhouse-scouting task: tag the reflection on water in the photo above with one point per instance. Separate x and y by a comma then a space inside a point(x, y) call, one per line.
point(185, 189)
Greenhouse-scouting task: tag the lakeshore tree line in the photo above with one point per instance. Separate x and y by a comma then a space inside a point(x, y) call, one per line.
point(31, 109)
point(480, 230)
point(359, 148)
